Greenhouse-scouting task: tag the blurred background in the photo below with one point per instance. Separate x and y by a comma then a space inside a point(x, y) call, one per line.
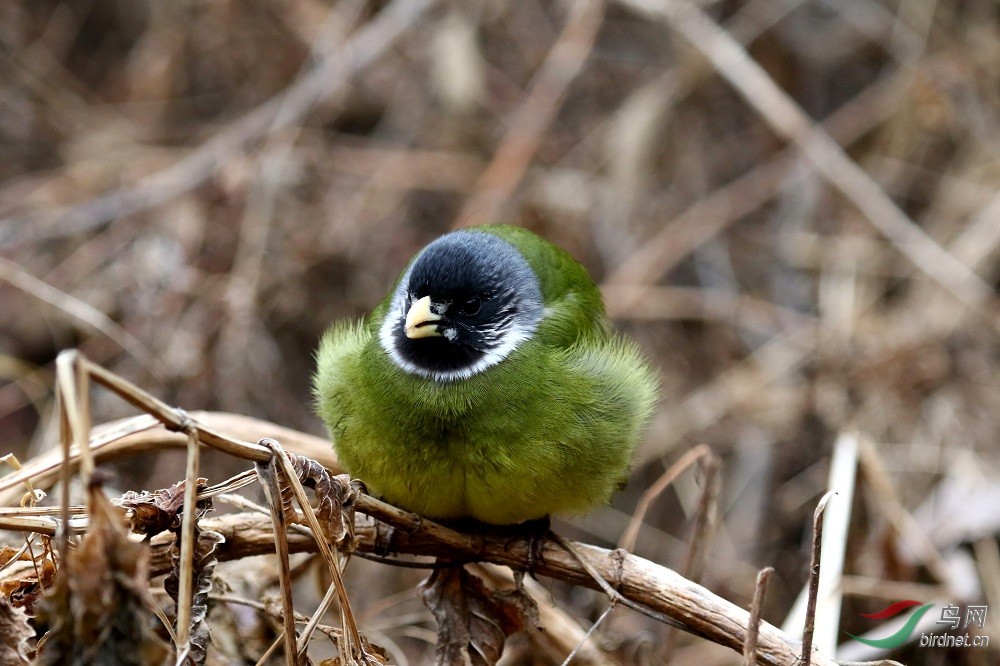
point(192, 192)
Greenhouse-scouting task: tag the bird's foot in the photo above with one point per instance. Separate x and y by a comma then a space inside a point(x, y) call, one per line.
point(383, 538)
point(535, 532)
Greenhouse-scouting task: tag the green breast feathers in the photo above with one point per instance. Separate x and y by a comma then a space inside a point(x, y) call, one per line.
point(487, 385)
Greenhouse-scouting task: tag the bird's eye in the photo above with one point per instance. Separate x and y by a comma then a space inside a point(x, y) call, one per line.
point(470, 307)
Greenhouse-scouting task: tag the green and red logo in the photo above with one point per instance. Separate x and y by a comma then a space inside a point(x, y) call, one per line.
point(904, 633)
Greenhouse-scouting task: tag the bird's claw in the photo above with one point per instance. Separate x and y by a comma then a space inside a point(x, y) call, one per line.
point(536, 533)
point(383, 538)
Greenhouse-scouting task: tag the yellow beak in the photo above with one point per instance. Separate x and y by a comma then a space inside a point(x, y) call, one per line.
point(420, 320)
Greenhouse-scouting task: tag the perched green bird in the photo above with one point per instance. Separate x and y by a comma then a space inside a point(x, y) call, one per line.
point(487, 385)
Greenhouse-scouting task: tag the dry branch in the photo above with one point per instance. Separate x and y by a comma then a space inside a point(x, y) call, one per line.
point(653, 586)
point(144, 433)
point(814, 578)
point(756, 612)
point(650, 585)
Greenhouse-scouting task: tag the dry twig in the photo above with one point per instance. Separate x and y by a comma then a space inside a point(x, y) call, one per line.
point(814, 573)
point(756, 611)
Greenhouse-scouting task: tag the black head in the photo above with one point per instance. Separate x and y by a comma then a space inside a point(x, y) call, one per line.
point(468, 300)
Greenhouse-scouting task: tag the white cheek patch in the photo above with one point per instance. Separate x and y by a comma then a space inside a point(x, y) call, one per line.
point(393, 318)
point(509, 341)
point(450, 334)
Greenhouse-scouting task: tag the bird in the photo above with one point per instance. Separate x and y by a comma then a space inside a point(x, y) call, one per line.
point(487, 385)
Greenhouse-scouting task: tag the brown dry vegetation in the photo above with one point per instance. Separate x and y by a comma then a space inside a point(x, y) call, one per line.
point(190, 193)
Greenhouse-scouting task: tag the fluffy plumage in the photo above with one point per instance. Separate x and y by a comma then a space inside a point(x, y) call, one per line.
point(529, 406)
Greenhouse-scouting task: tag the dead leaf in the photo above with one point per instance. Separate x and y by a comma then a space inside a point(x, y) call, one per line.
point(150, 513)
point(473, 620)
point(525, 605)
point(15, 632)
point(98, 612)
point(206, 543)
point(335, 496)
point(7, 553)
point(22, 587)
